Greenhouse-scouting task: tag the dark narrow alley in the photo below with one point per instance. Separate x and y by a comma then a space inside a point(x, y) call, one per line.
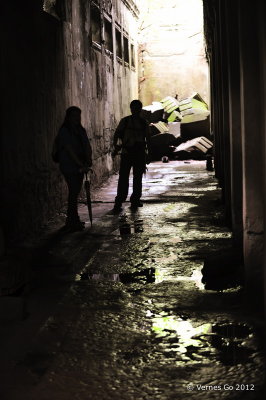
point(160, 294)
point(119, 311)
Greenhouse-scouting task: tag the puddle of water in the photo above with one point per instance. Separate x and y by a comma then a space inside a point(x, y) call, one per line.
point(163, 275)
point(168, 325)
point(197, 278)
point(232, 330)
point(223, 342)
point(144, 276)
point(125, 228)
point(86, 276)
point(228, 339)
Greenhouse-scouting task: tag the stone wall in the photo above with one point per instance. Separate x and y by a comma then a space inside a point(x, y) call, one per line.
point(50, 63)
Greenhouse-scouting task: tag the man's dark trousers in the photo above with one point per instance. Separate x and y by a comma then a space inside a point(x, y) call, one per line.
point(128, 161)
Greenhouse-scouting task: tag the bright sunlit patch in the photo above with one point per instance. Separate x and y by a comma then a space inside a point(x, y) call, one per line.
point(197, 277)
point(164, 275)
point(184, 330)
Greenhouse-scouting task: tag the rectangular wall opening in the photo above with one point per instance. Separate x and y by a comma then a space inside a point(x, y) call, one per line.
point(132, 55)
point(126, 49)
point(108, 35)
point(118, 43)
point(96, 25)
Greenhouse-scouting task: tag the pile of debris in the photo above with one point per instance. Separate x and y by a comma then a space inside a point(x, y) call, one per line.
point(179, 129)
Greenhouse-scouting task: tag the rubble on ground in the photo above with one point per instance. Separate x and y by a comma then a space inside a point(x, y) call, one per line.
point(179, 129)
point(201, 143)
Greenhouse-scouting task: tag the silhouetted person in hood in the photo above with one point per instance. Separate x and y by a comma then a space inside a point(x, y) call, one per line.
point(74, 154)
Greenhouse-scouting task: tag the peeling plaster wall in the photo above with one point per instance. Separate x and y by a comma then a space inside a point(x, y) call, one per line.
point(50, 64)
point(172, 56)
point(100, 84)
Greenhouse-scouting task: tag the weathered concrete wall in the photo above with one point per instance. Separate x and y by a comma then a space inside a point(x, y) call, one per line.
point(33, 102)
point(234, 114)
point(100, 84)
point(253, 136)
point(262, 44)
point(50, 63)
point(231, 51)
point(172, 56)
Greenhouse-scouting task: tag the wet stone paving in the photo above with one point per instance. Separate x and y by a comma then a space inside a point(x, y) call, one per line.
point(136, 322)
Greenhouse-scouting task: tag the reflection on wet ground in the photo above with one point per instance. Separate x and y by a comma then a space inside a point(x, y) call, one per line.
point(148, 275)
point(137, 322)
point(126, 228)
point(213, 342)
point(142, 277)
point(156, 282)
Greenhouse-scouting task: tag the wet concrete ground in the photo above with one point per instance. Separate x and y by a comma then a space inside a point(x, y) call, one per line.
point(118, 312)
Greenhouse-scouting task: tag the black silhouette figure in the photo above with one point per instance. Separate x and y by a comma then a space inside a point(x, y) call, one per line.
point(74, 157)
point(134, 137)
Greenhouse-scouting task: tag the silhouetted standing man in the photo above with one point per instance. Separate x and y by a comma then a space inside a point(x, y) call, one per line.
point(133, 132)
